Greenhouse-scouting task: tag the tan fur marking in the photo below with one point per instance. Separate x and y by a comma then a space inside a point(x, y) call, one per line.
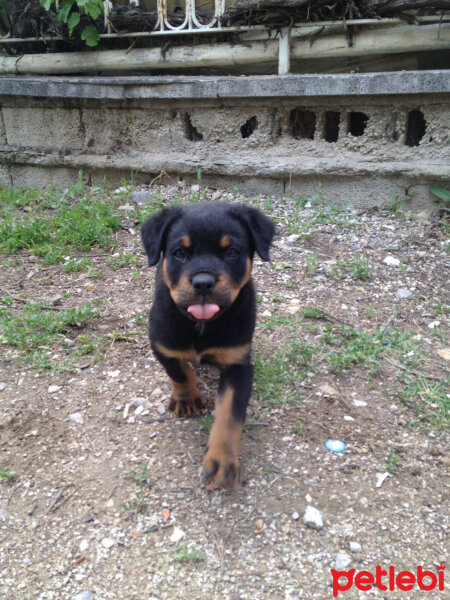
point(224, 440)
point(179, 354)
point(225, 241)
point(226, 285)
point(229, 356)
point(186, 241)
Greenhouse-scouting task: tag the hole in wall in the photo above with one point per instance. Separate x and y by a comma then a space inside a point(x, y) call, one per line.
point(357, 123)
point(415, 127)
point(331, 128)
point(392, 133)
point(190, 131)
point(303, 124)
point(249, 127)
point(275, 130)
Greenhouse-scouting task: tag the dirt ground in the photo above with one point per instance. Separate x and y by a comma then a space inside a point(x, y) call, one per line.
point(108, 503)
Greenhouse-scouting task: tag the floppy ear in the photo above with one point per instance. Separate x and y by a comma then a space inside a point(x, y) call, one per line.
point(260, 227)
point(154, 232)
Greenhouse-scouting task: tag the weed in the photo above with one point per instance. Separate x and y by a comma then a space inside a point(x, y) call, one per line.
point(361, 269)
point(300, 428)
point(7, 474)
point(124, 260)
point(313, 312)
point(206, 423)
point(187, 553)
point(392, 463)
point(311, 263)
point(142, 477)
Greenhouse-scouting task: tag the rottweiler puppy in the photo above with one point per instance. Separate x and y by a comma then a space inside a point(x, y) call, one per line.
point(204, 310)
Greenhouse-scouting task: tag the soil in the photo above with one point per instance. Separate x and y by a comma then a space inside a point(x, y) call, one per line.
point(80, 520)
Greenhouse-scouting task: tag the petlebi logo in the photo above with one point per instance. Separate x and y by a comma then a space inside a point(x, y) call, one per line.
point(388, 580)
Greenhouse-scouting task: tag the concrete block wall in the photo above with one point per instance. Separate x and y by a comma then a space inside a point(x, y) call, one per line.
point(363, 146)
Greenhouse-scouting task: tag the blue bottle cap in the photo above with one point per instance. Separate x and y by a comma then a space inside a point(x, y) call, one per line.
point(335, 445)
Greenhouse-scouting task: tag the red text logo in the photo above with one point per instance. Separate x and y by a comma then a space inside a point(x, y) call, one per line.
point(388, 579)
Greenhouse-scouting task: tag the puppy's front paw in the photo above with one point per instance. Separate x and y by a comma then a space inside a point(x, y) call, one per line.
point(186, 406)
point(221, 466)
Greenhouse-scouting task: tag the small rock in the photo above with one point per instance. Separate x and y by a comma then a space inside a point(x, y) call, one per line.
point(177, 535)
point(2, 386)
point(391, 261)
point(348, 418)
point(84, 595)
point(125, 207)
point(55, 300)
point(443, 353)
point(359, 403)
point(195, 188)
point(157, 393)
point(84, 545)
point(313, 517)
point(328, 390)
point(114, 374)
point(259, 524)
point(381, 478)
point(140, 197)
point(108, 543)
point(161, 410)
point(403, 293)
point(355, 547)
point(3, 514)
point(342, 560)
point(136, 402)
point(434, 324)
point(266, 313)
point(53, 389)
point(76, 417)
point(139, 410)
point(295, 516)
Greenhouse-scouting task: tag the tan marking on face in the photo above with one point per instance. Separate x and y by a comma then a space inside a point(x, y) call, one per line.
point(224, 439)
point(226, 286)
point(186, 241)
point(229, 356)
point(179, 354)
point(183, 287)
point(225, 241)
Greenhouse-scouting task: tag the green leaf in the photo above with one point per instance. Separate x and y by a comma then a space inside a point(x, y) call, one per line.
point(46, 4)
point(441, 193)
point(63, 13)
point(94, 8)
point(90, 35)
point(73, 21)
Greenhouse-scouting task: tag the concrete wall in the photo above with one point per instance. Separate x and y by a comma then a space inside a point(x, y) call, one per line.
point(277, 136)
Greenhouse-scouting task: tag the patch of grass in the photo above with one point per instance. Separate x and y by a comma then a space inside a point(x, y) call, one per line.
point(35, 329)
point(124, 260)
point(429, 399)
point(278, 375)
point(361, 269)
point(300, 428)
point(313, 312)
point(7, 474)
point(356, 347)
point(392, 463)
point(76, 265)
point(53, 227)
point(188, 553)
point(206, 423)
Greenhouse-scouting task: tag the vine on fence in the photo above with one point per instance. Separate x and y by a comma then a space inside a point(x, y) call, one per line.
point(75, 12)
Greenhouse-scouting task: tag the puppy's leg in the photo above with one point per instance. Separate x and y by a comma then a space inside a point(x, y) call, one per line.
point(221, 462)
point(186, 399)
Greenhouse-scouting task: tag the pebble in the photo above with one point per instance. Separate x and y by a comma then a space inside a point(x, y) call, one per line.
point(391, 261)
point(161, 410)
point(359, 403)
point(139, 402)
point(2, 386)
point(3, 514)
point(355, 547)
point(434, 324)
point(177, 534)
point(328, 390)
point(125, 207)
point(84, 595)
point(403, 293)
point(53, 389)
point(342, 560)
point(84, 545)
point(295, 516)
point(76, 417)
point(108, 543)
point(313, 517)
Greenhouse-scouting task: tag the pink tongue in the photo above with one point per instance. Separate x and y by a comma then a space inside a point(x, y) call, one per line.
point(203, 311)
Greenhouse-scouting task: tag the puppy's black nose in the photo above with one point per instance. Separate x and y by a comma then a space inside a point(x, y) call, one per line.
point(203, 283)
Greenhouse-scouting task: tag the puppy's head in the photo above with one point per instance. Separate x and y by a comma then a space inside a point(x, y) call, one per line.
point(207, 251)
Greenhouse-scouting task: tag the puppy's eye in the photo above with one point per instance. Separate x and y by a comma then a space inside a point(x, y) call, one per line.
point(180, 253)
point(232, 252)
